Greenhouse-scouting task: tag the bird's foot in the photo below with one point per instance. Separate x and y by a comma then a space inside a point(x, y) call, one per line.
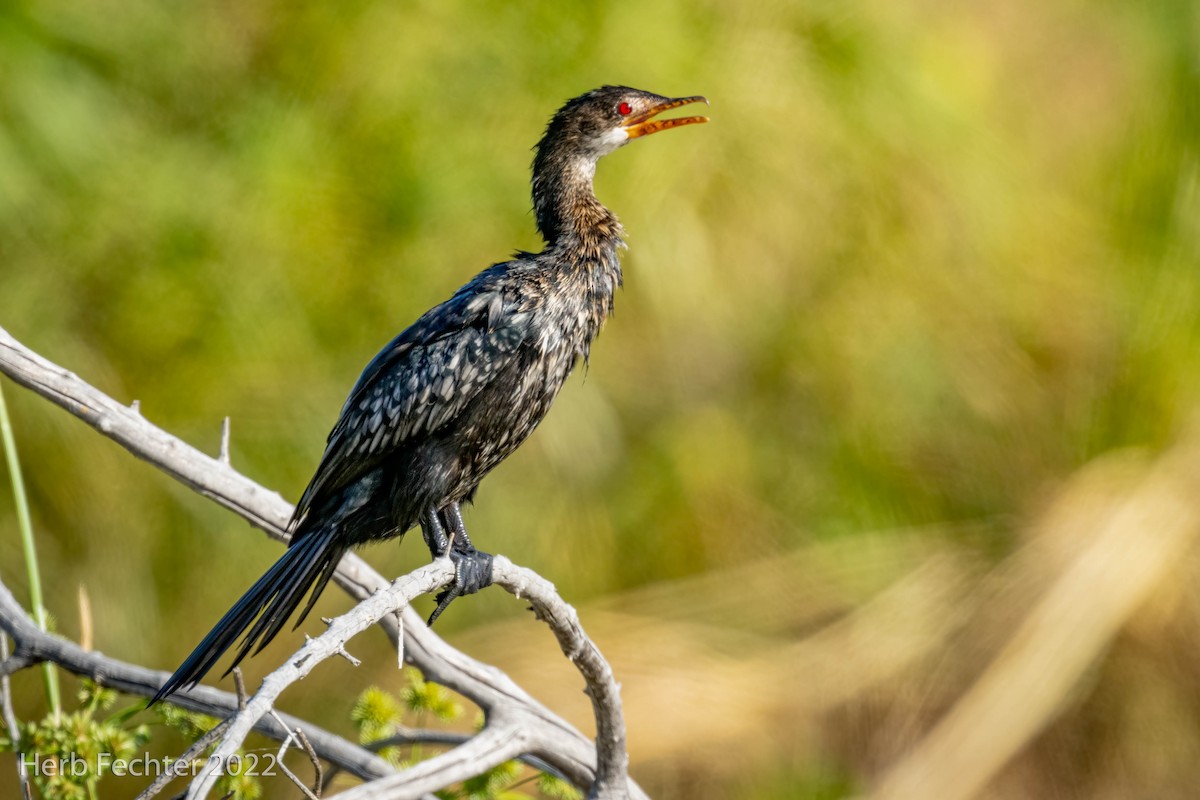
point(472, 572)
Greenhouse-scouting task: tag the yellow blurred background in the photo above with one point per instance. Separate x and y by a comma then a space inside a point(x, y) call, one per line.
point(906, 332)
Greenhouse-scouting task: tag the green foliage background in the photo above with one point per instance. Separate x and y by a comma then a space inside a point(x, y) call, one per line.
point(927, 260)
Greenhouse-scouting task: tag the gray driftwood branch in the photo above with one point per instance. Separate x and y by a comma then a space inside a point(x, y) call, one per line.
point(543, 734)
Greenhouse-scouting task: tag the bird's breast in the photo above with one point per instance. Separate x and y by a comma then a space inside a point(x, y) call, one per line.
point(549, 322)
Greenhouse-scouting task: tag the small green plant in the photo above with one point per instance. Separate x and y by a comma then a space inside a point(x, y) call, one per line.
point(491, 785)
point(425, 698)
point(192, 725)
point(378, 716)
point(555, 787)
point(68, 754)
point(381, 715)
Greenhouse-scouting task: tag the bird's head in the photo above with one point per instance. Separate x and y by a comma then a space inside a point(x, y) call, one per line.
point(597, 123)
point(583, 131)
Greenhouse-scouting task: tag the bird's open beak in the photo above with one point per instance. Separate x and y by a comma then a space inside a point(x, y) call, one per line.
point(643, 124)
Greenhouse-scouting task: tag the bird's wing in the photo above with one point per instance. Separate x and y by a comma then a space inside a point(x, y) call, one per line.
point(419, 382)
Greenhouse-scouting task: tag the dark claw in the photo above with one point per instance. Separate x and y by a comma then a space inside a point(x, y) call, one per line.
point(472, 572)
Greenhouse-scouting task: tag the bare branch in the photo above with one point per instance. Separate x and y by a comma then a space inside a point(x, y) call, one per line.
point(613, 757)
point(283, 748)
point(560, 744)
point(318, 772)
point(10, 719)
point(33, 646)
point(494, 745)
point(15, 663)
point(408, 736)
point(223, 455)
point(399, 640)
point(239, 688)
point(511, 727)
point(317, 649)
point(567, 749)
point(343, 652)
point(127, 427)
point(165, 777)
point(294, 778)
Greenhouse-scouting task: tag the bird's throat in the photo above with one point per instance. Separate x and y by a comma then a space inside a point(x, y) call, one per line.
point(564, 202)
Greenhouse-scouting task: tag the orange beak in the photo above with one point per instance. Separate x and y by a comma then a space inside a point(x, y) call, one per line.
point(643, 124)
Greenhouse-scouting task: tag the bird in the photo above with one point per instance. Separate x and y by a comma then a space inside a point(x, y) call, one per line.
point(455, 393)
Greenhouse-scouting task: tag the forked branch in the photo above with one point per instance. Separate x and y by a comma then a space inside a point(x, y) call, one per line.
point(542, 733)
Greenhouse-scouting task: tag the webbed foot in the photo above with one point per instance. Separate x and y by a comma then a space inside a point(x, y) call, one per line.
point(472, 572)
point(446, 534)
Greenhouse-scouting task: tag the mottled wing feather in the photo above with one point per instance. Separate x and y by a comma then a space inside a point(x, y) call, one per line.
point(419, 383)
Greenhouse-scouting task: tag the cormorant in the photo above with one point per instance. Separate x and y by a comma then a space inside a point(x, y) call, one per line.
point(458, 391)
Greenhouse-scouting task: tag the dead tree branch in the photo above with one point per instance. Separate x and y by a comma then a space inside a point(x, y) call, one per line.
point(602, 767)
point(32, 646)
point(509, 732)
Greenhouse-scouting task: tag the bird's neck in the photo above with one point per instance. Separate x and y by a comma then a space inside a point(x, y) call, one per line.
point(582, 239)
point(569, 217)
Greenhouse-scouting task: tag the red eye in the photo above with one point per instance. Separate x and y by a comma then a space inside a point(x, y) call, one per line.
point(625, 109)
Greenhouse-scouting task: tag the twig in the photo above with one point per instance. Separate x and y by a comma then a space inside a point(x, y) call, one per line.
point(10, 720)
point(341, 651)
point(319, 772)
point(239, 686)
point(283, 748)
point(399, 640)
point(164, 778)
point(294, 778)
point(287, 740)
point(223, 456)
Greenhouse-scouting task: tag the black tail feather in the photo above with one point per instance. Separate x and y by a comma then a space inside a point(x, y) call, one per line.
point(310, 561)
